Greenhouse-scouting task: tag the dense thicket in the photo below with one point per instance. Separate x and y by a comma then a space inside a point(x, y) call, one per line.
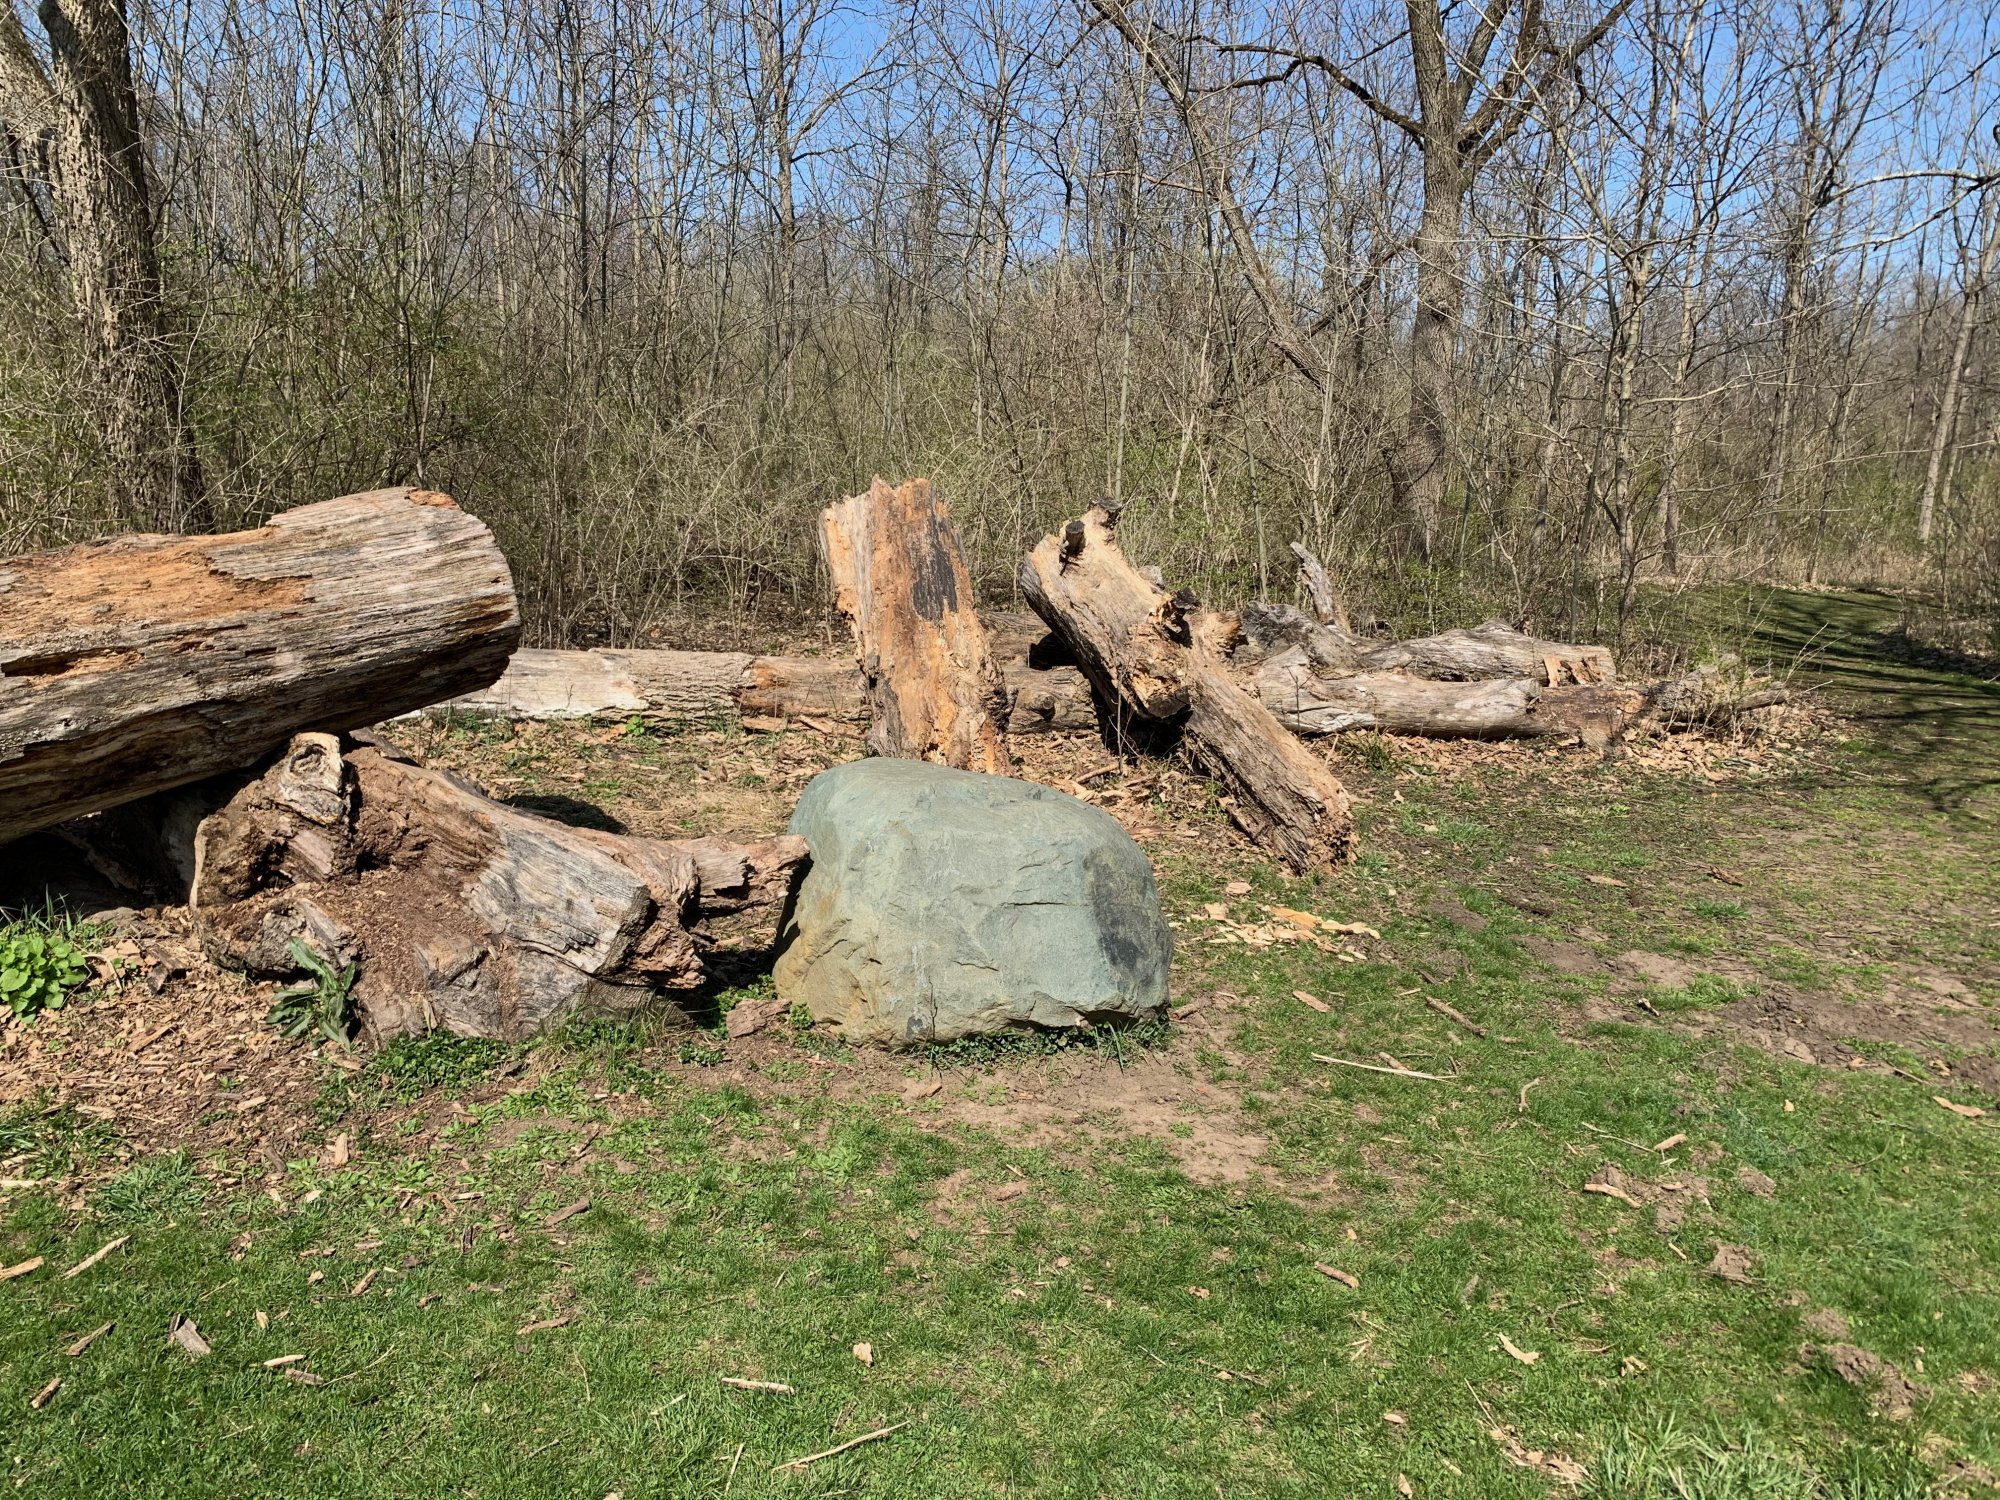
point(647, 282)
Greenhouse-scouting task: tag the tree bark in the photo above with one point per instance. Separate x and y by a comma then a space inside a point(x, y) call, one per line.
point(1161, 664)
point(900, 580)
point(147, 662)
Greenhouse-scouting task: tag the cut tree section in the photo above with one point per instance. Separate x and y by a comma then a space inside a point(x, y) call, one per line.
point(900, 580)
point(147, 662)
point(462, 913)
point(1161, 662)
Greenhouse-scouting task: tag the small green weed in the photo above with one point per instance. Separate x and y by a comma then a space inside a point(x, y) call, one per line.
point(1703, 992)
point(41, 964)
point(324, 1003)
point(1719, 911)
point(413, 1065)
point(157, 1188)
point(56, 1141)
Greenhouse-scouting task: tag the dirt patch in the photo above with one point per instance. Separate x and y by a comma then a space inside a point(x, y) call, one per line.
point(1073, 1100)
point(1891, 1393)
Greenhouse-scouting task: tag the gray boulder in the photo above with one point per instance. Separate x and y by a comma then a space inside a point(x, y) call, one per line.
point(942, 904)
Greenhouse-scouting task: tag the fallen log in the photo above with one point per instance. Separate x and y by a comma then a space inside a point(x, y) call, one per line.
point(146, 662)
point(727, 687)
point(1491, 649)
point(1311, 704)
point(462, 913)
point(900, 580)
point(1162, 664)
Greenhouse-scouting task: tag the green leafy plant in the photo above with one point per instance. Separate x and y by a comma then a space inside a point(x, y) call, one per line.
point(39, 968)
point(323, 1003)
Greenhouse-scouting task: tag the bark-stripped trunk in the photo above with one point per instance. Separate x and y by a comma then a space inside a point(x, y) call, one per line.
point(900, 580)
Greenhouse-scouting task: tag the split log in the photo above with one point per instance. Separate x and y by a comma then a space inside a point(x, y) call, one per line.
point(463, 913)
point(1159, 661)
point(146, 662)
point(899, 578)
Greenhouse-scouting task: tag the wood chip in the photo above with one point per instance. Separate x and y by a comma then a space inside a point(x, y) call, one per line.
point(866, 1437)
point(774, 1387)
point(1677, 1139)
point(1009, 1191)
point(183, 1335)
point(565, 1214)
point(1515, 1351)
point(304, 1377)
point(8, 1273)
point(282, 1360)
point(1611, 880)
point(1237, 888)
point(543, 1325)
point(1727, 877)
point(97, 1255)
point(763, 723)
point(921, 1088)
point(866, 1354)
point(1968, 1111)
point(1333, 1273)
point(1312, 1002)
point(88, 1339)
point(1612, 1190)
point(46, 1394)
point(368, 1279)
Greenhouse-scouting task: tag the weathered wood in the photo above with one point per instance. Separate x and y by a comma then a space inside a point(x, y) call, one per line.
point(727, 687)
point(899, 578)
point(145, 662)
point(464, 913)
point(1492, 648)
point(1327, 604)
point(1163, 664)
point(1311, 704)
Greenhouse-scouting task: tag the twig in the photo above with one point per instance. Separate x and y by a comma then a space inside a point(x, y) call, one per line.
point(1378, 1068)
point(1524, 1093)
point(736, 1383)
point(1451, 1015)
point(866, 1437)
point(732, 1469)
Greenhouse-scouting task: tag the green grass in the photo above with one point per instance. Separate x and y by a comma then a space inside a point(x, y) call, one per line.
point(1118, 1328)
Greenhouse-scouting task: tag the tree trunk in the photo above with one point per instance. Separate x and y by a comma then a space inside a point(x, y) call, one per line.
point(1937, 471)
point(1417, 458)
point(82, 121)
point(901, 581)
point(1160, 664)
point(146, 662)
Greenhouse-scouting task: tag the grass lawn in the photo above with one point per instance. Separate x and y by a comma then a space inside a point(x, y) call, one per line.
point(1105, 1270)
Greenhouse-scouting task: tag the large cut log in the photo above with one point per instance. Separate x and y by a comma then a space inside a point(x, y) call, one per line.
point(146, 662)
point(463, 913)
point(900, 580)
point(1162, 664)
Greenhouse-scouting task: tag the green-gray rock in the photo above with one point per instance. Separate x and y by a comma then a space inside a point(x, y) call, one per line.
point(942, 904)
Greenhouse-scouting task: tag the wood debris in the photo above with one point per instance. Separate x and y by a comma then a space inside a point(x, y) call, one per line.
point(1333, 1273)
point(88, 1339)
point(866, 1437)
point(97, 1255)
point(771, 1387)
